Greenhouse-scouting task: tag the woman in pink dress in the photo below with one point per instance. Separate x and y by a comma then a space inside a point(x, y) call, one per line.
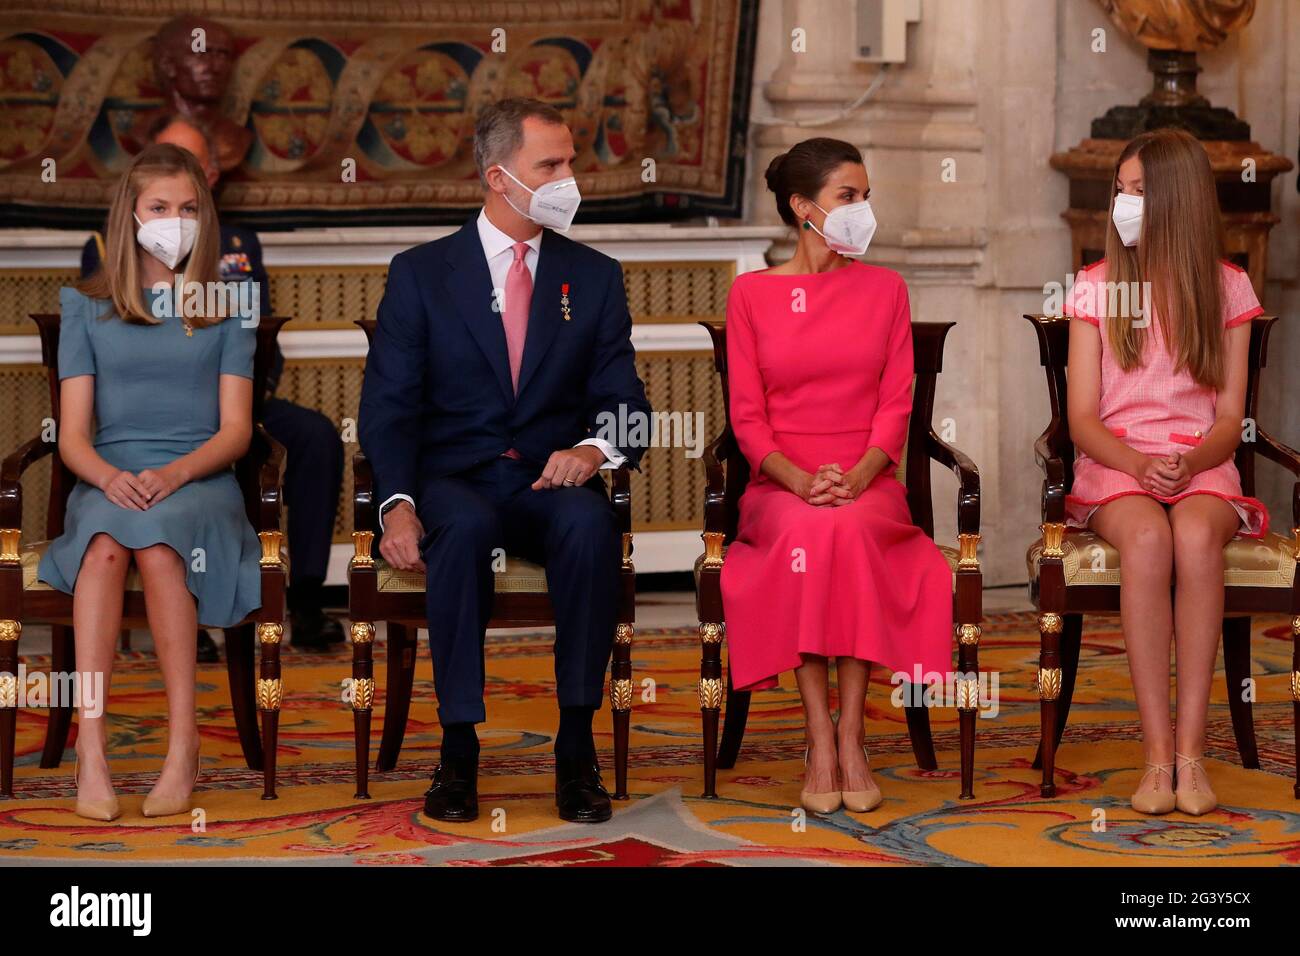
point(1157, 393)
point(827, 563)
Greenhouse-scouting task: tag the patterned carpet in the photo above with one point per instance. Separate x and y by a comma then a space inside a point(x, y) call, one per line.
point(666, 823)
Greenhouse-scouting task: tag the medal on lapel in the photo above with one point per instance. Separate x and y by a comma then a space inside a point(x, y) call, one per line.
point(564, 301)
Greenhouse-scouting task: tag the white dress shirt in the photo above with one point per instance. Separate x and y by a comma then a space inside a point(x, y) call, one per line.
point(498, 248)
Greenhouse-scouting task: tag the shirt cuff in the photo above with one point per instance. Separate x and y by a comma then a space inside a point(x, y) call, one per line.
point(398, 497)
point(613, 457)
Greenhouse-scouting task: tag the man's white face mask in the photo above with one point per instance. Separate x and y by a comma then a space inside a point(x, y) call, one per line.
point(848, 229)
point(1127, 216)
point(552, 204)
point(167, 240)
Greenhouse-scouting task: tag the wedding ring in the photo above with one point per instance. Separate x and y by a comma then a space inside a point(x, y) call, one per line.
point(567, 481)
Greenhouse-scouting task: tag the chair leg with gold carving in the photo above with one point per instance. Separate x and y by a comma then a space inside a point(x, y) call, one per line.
point(363, 698)
point(269, 694)
point(968, 702)
point(1295, 695)
point(10, 631)
point(1049, 692)
point(710, 691)
point(620, 701)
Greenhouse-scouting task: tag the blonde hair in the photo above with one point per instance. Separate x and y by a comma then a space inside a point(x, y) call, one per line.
point(118, 276)
point(1178, 253)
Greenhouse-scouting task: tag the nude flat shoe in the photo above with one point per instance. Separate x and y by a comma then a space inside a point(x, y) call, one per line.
point(1153, 801)
point(103, 810)
point(827, 802)
point(1193, 797)
point(862, 801)
point(171, 806)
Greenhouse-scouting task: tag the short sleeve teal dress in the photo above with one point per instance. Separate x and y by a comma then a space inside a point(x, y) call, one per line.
point(156, 399)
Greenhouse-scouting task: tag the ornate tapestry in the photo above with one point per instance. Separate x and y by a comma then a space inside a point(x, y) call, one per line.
point(656, 93)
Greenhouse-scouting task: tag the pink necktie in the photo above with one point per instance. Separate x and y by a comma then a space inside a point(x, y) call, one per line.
point(519, 295)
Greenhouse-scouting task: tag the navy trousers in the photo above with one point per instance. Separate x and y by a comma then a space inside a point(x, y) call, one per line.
point(313, 474)
point(571, 531)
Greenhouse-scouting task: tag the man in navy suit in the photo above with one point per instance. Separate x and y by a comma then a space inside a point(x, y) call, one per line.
point(500, 352)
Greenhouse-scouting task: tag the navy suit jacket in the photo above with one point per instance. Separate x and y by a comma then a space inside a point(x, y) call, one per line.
point(437, 397)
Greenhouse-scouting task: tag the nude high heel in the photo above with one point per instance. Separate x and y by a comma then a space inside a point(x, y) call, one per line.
point(103, 810)
point(827, 802)
point(168, 807)
point(1154, 801)
point(1189, 794)
point(862, 801)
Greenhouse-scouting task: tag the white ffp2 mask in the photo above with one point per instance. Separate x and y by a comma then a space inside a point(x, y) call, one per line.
point(848, 229)
point(167, 240)
point(552, 204)
point(1127, 216)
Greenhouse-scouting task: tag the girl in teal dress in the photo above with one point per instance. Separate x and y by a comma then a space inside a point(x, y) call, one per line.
point(156, 406)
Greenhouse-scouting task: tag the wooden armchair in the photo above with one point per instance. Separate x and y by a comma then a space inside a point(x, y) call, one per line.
point(1074, 571)
point(25, 600)
point(727, 473)
point(377, 592)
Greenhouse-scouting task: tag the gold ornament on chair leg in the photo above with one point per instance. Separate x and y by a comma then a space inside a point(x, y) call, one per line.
point(1049, 683)
point(710, 633)
point(1295, 686)
point(270, 633)
point(8, 691)
point(968, 634)
point(712, 549)
point(361, 542)
point(268, 693)
point(620, 693)
point(968, 693)
point(10, 630)
point(968, 552)
point(1053, 540)
point(362, 632)
point(10, 540)
point(270, 549)
point(363, 692)
point(710, 693)
point(623, 634)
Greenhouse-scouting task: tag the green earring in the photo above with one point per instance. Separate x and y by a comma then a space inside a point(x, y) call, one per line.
point(807, 224)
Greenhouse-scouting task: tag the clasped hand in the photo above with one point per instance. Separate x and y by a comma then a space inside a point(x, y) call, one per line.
point(831, 486)
point(139, 492)
point(1165, 477)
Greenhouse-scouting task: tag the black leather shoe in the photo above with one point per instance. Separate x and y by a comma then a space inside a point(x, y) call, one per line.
point(453, 796)
point(313, 629)
point(206, 651)
point(579, 795)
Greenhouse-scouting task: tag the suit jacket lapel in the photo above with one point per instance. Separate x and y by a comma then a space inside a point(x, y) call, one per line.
point(544, 317)
point(471, 290)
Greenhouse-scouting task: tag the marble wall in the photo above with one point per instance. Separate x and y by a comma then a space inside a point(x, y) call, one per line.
point(995, 87)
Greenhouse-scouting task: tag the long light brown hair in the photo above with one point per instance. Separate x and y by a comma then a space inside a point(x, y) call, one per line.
point(118, 277)
point(1178, 253)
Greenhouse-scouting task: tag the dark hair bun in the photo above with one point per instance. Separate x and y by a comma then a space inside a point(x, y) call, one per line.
point(773, 174)
point(804, 170)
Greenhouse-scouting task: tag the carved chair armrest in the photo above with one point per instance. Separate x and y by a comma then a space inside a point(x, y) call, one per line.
point(968, 477)
point(11, 472)
point(1269, 447)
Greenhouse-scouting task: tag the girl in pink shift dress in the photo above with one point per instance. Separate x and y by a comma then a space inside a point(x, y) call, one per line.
point(1156, 406)
point(1156, 409)
point(823, 385)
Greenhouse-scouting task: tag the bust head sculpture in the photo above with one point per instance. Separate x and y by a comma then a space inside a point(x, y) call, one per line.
point(193, 60)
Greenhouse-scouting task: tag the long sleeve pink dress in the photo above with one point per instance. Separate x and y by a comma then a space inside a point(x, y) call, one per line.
point(821, 370)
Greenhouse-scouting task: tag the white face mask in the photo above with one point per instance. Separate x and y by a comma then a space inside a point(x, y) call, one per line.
point(1127, 216)
point(167, 240)
point(848, 228)
point(552, 205)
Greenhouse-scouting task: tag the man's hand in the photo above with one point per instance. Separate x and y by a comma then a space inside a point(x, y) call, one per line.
point(570, 467)
point(400, 545)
